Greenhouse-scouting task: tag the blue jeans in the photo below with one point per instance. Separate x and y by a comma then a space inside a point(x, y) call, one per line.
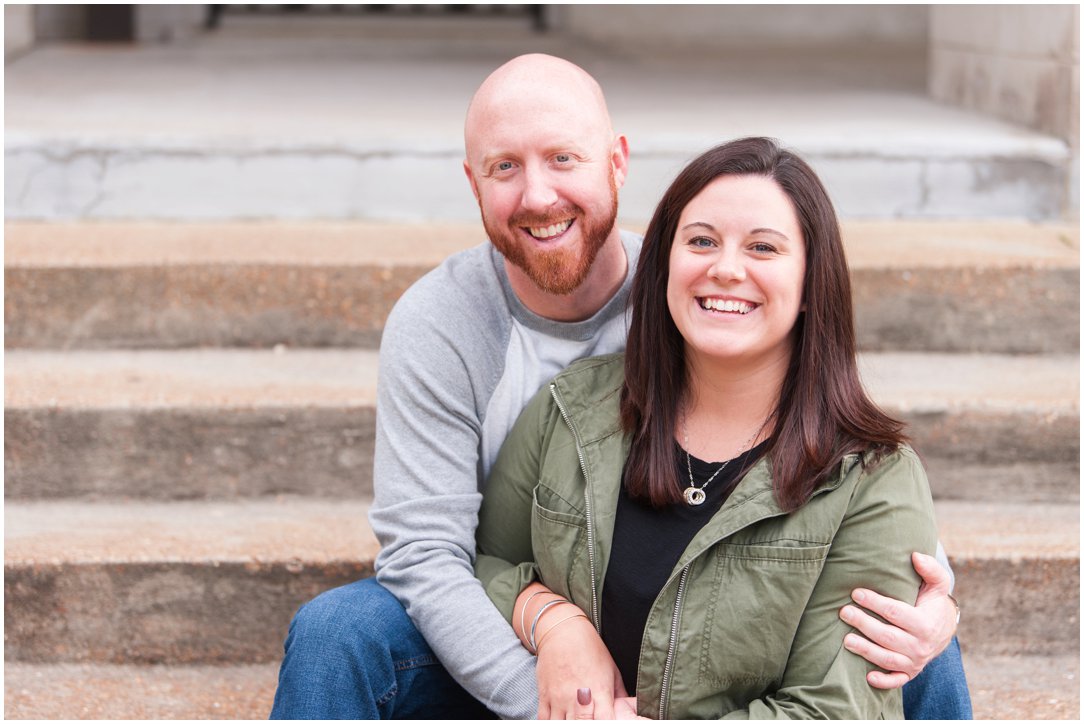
point(353, 653)
point(940, 691)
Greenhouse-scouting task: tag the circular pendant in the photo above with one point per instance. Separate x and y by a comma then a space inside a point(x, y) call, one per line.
point(694, 496)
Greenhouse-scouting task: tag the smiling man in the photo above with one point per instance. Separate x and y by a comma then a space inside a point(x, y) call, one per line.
point(545, 165)
point(462, 352)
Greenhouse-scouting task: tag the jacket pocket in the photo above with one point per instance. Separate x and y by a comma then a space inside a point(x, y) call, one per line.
point(797, 552)
point(558, 537)
point(756, 600)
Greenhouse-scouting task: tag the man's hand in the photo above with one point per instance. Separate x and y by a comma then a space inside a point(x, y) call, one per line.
point(913, 636)
point(571, 658)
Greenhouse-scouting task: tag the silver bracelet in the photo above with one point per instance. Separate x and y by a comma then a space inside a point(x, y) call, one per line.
point(523, 611)
point(578, 614)
point(537, 616)
point(957, 604)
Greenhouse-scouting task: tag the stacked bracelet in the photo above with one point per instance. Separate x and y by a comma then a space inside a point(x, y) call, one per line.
point(523, 611)
point(578, 614)
point(537, 616)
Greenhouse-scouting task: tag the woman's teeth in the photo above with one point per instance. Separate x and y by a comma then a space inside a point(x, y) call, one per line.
point(726, 305)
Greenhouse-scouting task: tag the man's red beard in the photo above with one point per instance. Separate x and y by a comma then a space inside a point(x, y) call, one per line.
point(557, 271)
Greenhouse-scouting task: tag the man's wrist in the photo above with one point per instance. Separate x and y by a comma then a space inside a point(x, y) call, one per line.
point(957, 605)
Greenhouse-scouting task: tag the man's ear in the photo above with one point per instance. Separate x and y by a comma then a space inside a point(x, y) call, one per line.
point(470, 178)
point(619, 159)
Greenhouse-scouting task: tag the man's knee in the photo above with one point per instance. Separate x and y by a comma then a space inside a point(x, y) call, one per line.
point(339, 654)
point(940, 691)
point(361, 616)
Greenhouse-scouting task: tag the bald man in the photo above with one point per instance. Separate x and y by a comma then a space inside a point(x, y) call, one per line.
point(462, 352)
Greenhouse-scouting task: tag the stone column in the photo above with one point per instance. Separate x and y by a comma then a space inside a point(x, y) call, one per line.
point(18, 30)
point(166, 23)
point(1020, 63)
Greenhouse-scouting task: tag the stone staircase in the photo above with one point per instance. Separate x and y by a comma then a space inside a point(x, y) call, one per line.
point(196, 281)
point(189, 421)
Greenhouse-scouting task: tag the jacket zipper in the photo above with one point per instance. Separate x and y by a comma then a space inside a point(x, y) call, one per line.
point(671, 649)
point(587, 507)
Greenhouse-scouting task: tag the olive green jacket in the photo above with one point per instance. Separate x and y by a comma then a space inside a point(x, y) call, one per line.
point(747, 626)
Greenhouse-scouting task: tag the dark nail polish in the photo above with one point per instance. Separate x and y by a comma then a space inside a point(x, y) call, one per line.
point(583, 696)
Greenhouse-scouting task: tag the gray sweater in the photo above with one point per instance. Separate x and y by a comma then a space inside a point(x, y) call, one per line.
point(459, 359)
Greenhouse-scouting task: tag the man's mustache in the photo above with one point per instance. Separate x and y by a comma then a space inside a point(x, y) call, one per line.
point(548, 219)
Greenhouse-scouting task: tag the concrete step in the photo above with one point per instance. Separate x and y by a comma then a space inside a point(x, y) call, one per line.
point(988, 427)
point(920, 286)
point(1049, 690)
point(152, 285)
point(1017, 572)
point(126, 691)
point(232, 423)
point(194, 424)
point(199, 131)
point(1024, 687)
point(199, 583)
point(172, 582)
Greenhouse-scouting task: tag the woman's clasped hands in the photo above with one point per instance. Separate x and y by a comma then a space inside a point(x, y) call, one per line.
point(577, 677)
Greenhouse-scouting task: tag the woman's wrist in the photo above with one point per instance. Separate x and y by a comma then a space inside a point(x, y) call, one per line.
point(538, 611)
point(568, 617)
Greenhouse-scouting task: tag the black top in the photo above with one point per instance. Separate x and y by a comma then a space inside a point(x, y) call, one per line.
point(647, 543)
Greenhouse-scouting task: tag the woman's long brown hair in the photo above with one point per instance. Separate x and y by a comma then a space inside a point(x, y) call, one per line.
point(823, 413)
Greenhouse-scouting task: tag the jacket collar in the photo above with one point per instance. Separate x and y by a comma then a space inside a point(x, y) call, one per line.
point(590, 394)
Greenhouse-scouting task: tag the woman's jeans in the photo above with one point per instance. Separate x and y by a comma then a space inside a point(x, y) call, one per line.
point(353, 653)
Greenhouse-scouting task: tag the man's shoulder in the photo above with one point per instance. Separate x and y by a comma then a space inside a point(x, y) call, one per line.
point(463, 289)
point(460, 279)
point(632, 240)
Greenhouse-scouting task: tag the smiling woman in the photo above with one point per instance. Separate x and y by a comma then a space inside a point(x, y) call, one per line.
point(690, 517)
point(791, 359)
point(736, 275)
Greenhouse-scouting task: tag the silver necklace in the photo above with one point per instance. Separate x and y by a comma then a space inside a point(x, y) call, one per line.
point(694, 495)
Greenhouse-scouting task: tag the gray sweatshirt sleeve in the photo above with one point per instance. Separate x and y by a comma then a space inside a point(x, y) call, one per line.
point(426, 502)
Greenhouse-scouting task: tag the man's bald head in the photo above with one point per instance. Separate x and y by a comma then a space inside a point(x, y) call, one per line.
point(533, 80)
point(545, 166)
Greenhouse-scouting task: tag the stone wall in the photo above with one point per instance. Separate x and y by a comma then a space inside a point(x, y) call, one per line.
point(165, 23)
point(1017, 62)
point(723, 27)
point(59, 22)
point(153, 23)
point(18, 30)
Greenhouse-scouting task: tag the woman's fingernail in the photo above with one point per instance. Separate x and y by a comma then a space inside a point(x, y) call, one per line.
point(583, 696)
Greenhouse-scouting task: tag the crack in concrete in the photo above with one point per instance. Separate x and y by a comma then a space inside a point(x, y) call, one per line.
point(47, 160)
point(99, 192)
point(25, 190)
